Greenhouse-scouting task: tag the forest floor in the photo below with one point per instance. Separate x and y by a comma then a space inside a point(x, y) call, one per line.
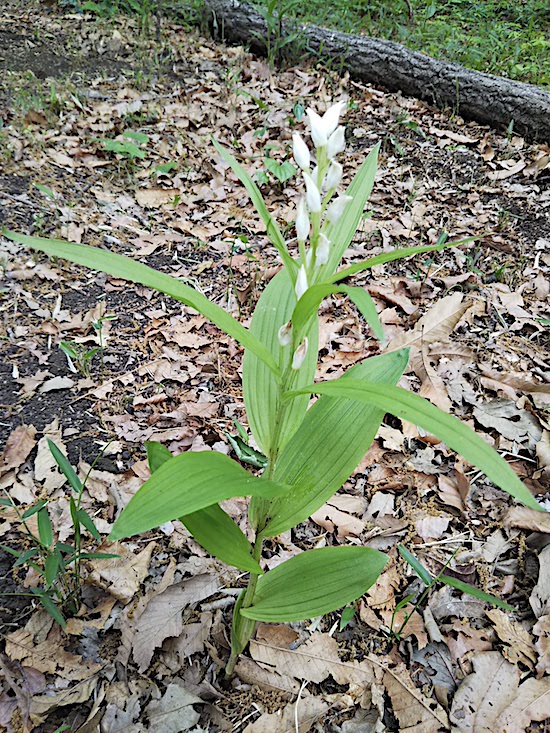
point(146, 649)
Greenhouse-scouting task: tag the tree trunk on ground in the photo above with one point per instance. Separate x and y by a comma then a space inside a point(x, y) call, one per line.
point(488, 99)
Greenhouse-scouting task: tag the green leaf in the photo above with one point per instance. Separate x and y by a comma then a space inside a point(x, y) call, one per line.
point(45, 530)
point(212, 528)
point(127, 269)
point(51, 566)
point(467, 588)
point(347, 614)
point(272, 230)
point(456, 434)
point(309, 303)
point(261, 392)
point(138, 137)
point(88, 523)
point(185, 484)
point(328, 445)
point(66, 468)
point(242, 628)
point(219, 535)
point(34, 509)
point(342, 233)
point(25, 556)
point(424, 575)
point(6, 501)
point(314, 583)
point(97, 556)
point(45, 190)
point(50, 607)
point(397, 254)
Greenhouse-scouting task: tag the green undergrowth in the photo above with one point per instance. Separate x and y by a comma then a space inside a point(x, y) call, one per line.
point(504, 37)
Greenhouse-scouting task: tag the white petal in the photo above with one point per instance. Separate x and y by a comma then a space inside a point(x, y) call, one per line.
point(301, 283)
point(332, 117)
point(285, 334)
point(336, 142)
point(301, 152)
point(300, 354)
point(323, 250)
point(313, 195)
point(318, 133)
point(302, 221)
point(336, 209)
point(334, 175)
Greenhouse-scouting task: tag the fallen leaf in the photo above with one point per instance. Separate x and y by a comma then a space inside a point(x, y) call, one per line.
point(121, 576)
point(415, 712)
point(40, 705)
point(51, 385)
point(540, 595)
point(151, 198)
point(297, 717)
point(18, 447)
point(509, 421)
point(519, 643)
point(542, 630)
point(174, 712)
point(531, 703)
point(525, 518)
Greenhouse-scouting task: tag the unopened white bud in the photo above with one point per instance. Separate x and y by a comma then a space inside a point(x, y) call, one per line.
point(336, 143)
point(302, 221)
point(336, 209)
point(300, 354)
point(284, 334)
point(301, 283)
point(309, 257)
point(331, 117)
point(301, 152)
point(318, 131)
point(313, 195)
point(334, 175)
point(323, 250)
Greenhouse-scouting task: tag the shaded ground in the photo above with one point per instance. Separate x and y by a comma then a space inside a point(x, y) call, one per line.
point(167, 375)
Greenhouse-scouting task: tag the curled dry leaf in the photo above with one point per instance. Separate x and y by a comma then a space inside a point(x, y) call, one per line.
point(18, 447)
point(519, 643)
point(121, 576)
point(415, 712)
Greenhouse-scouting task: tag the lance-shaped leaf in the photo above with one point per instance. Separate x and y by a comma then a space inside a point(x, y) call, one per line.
point(272, 230)
point(211, 527)
point(262, 395)
point(309, 303)
point(314, 583)
point(397, 254)
point(185, 484)
point(341, 233)
point(456, 434)
point(127, 269)
point(332, 439)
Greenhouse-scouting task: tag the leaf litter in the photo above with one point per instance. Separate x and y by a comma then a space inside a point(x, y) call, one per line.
point(143, 651)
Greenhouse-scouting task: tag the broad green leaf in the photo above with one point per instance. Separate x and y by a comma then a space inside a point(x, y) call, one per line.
point(397, 254)
point(127, 269)
point(66, 468)
point(219, 535)
point(50, 607)
point(88, 523)
point(314, 583)
point(328, 445)
point(260, 389)
point(481, 595)
point(424, 574)
point(342, 233)
point(309, 303)
point(242, 628)
point(185, 484)
point(45, 530)
point(212, 528)
point(272, 230)
point(34, 509)
point(51, 566)
point(456, 434)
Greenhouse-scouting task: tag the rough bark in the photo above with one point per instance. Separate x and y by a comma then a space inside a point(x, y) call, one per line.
point(488, 99)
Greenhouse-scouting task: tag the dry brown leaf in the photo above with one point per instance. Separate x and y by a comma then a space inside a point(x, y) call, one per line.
point(306, 711)
point(151, 198)
point(518, 640)
point(191, 640)
point(415, 712)
point(532, 703)
point(18, 447)
point(525, 518)
point(509, 421)
point(40, 705)
point(430, 527)
point(485, 694)
point(540, 595)
point(56, 383)
point(121, 576)
point(174, 712)
point(252, 673)
point(542, 630)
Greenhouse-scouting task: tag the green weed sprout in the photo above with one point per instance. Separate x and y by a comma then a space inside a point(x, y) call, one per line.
point(57, 563)
point(307, 452)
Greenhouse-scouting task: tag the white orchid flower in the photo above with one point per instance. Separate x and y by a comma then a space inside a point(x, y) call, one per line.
point(301, 152)
point(302, 221)
point(336, 209)
point(323, 127)
point(284, 334)
point(313, 195)
point(300, 354)
point(301, 283)
point(333, 175)
point(323, 250)
point(336, 143)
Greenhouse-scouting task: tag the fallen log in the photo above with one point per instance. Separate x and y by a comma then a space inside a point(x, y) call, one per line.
point(485, 98)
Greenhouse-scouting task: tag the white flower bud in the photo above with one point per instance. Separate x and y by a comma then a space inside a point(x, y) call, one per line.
point(300, 354)
point(301, 283)
point(309, 256)
point(301, 152)
point(336, 143)
point(334, 175)
point(336, 209)
point(332, 117)
point(313, 195)
point(318, 132)
point(284, 334)
point(322, 251)
point(302, 221)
